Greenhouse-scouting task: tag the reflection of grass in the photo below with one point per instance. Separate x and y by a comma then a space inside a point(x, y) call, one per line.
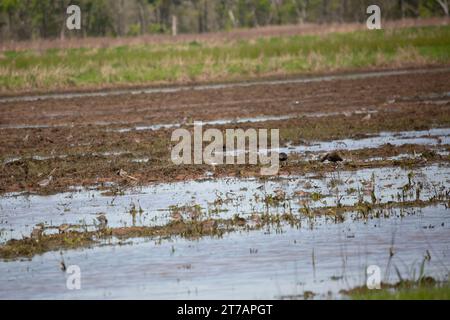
point(165, 63)
point(416, 293)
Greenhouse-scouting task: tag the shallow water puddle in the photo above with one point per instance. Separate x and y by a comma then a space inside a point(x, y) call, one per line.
point(155, 127)
point(220, 197)
point(434, 137)
point(159, 126)
point(408, 156)
point(431, 137)
point(214, 122)
point(320, 256)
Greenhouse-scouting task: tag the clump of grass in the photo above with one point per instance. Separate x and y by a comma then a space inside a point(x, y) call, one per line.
point(192, 228)
point(316, 196)
point(428, 289)
point(29, 247)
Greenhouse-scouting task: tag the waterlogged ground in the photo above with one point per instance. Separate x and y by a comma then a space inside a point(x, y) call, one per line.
point(225, 232)
point(320, 257)
point(222, 198)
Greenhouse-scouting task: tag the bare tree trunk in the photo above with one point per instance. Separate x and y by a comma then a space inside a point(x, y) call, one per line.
point(402, 8)
point(413, 9)
point(142, 16)
point(444, 5)
point(255, 19)
point(202, 16)
point(174, 25)
point(43, 30)
point(10, 25)
point(121, 18)
point(325, 4)
point(200, 21)
point(62, 33)
point(300, 10)
point(205, 15)
point(344, 8)
point(232, 18)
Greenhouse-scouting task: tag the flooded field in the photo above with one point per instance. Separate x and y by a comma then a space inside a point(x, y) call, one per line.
point(224, 198)
point(94, 187)
point(319, 257)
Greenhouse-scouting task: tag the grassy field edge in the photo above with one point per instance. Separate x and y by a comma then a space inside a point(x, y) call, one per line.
point(198, 62)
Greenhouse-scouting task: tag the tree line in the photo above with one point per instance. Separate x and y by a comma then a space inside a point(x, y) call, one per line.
point(33, 19)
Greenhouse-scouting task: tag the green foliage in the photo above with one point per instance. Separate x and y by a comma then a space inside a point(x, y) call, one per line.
point(417, 293)
point(199, 61)
point(135, 30)
point(45, 18)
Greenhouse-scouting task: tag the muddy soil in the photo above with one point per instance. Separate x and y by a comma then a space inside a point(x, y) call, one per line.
point(308, 232)
point(87, 140)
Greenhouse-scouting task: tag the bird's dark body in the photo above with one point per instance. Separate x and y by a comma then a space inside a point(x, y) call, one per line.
point(332, 157)
point(283, 157)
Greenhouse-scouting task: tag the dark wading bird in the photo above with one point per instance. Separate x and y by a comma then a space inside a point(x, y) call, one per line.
point(332, 157)
point(103, 222)
point(37, 232)
point(63, 228)
point(283, 157)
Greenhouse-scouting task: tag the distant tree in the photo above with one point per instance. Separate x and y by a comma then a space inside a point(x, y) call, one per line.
point(444, 6)
point(98, 19)
point(26, 19)
point(262, 10)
